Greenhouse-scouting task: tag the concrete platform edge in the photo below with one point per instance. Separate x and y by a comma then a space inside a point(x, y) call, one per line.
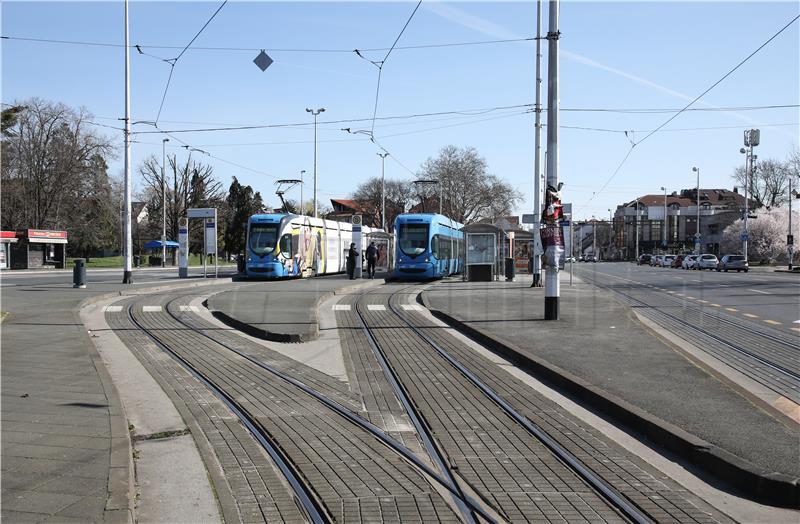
point(121, 490)
point(754, 483)
point(273, 336)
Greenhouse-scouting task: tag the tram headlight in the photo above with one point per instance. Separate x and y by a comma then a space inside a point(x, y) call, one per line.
point(427, 260)
point(249, 258)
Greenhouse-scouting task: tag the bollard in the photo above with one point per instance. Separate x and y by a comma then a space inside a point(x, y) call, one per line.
point(79, 274)
point(510, 270)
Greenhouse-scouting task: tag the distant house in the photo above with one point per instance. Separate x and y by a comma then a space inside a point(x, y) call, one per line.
point(344, 209)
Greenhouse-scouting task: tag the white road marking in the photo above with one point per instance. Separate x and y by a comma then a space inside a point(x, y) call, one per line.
point(376, 307)
point(188, 308)
point(151, 309)
point(750, 315)
point(341, 307)
point(113, 309)
point(411, 307)
point(731, 309)
point(773, 322)
point(796, 322)
point(757, 291)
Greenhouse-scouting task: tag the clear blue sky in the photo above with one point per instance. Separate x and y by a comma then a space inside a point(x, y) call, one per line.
point(627, 55)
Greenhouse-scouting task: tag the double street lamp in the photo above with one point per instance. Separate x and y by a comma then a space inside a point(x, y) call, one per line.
point(315, 112)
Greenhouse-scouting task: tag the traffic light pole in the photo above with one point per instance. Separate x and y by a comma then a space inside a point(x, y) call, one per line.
point(537, 170)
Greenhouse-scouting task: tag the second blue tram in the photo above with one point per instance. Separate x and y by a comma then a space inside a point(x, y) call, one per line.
point(427, 246)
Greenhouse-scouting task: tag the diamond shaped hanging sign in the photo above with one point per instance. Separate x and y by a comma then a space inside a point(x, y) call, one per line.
point(263, 61)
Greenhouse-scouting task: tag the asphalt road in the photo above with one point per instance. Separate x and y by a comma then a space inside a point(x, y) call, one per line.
point(759, 295)
point(16, 279)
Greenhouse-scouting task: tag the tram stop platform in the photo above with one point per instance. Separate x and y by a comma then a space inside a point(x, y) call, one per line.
point(282, 310)
point(605, 358)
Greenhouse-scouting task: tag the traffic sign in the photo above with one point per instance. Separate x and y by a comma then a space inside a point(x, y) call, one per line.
point(744, 236)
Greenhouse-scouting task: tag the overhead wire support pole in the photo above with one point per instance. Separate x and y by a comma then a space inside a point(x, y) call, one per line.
point(316, 113)
point(127, 275)
point(383, 189)
point(537, 173)
point(551, 284)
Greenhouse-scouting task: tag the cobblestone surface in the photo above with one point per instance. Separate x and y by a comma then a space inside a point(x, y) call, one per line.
point(648, 488)
point(347, 469)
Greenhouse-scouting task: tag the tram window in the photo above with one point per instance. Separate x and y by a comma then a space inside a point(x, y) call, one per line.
point(413, 238)
point(286, 244)
point(263, 238)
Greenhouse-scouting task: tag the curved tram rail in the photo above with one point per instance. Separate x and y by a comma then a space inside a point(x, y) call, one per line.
point(464, 502)
point(789, 375)
point(304, 497)
point(610, 494)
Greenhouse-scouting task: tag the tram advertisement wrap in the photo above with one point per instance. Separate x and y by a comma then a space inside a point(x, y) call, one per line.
point(553, 243)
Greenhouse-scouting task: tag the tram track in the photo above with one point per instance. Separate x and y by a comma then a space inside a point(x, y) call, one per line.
point(609, 494)
point(768, 358)
point(433, 477)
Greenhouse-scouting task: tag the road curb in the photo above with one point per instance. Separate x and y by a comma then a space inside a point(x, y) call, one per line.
point(272, 336)
point(755, 483)
point(120, 503)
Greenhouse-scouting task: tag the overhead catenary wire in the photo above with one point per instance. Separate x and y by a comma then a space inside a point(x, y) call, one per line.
point(274, 49)
point(173, 61)
point(687, 106)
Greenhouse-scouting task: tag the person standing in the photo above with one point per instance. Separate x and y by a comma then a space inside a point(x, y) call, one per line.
point(352, 257)
point(372, 257)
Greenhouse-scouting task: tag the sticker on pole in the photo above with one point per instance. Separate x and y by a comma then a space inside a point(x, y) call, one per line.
point(553, 243)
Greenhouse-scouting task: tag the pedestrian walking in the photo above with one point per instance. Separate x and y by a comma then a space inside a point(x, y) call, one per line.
point(372, 257)
point(352, 257)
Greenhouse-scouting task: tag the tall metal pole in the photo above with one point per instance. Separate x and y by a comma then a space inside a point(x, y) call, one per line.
point(537, 190)
point(637, 229)
point(127, 275)
point(790, 246)
point(315, 112)
point(697, 233)
point(383, 189)
point(552, 288)
point(302, 210)
point(664, 233)
point(747, 163)
point(163, 203)
point(611, 235)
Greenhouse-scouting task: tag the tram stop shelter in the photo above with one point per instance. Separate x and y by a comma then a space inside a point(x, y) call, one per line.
point(483, 260)
point(155, 245)
point(38, 248)
point(384, 242)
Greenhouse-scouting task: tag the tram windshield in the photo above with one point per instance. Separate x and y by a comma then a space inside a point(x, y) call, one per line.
point(263, 238)
point(413, 239)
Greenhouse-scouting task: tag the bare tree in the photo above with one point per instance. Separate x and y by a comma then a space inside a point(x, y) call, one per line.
point(188, 185)
point(49, 151)
point(399, 194)
point(469, 192)
point(769, 183)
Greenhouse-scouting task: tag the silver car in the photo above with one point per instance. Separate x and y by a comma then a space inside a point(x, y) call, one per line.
point(737, 262)
point(689, 262)
point(707, 261)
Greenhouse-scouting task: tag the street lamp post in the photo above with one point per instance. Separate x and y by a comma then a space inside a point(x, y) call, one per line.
point(751, 139)
point(315, 112)
point(697, 234)
point(127, 273)
point(163, 203)
point(552, 286)
point(611, 234)
point(664, 242)
point(383, 189)
point(790, 238)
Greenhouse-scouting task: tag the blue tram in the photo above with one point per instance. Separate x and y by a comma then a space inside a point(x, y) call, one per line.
point(287, 245)
point(427, 246)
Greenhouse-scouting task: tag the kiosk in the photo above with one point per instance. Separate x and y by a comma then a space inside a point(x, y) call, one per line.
point(38, 248)
point(482, 259)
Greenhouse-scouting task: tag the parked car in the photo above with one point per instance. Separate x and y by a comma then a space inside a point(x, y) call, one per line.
point(655, 260)
point(644, 259)
point(678, 261)
point(689, 262)
point(707, 261)
point(667, 260)
point(737, 262)
point(591, 258)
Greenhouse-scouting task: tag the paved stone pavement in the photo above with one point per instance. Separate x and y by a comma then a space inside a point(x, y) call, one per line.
point(65, 446)
point(599, 341)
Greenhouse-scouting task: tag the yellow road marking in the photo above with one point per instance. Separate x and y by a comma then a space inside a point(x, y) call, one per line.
point(795, 329)
point(773, 322)
point(731, 309)
point(750, 315)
